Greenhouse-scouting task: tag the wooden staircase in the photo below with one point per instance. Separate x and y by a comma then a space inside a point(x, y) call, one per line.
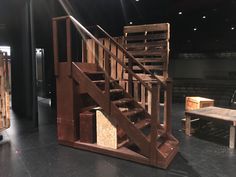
point(144, 138)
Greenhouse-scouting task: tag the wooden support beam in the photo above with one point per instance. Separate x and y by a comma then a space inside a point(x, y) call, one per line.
point(168, 106)
point(68, 45)
point(55, 46)
point(154, 122)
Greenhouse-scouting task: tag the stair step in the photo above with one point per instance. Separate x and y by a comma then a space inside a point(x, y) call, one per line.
point(123, 102)
point(142, 123)
point(160, 133)
point(133, 112)
point(123, 143)
point(115, 91)
point(95, 75)
point(167, 148)
point(103, 81)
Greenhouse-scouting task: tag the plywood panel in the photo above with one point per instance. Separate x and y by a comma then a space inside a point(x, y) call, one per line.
point(4, 92)
point(106, 132)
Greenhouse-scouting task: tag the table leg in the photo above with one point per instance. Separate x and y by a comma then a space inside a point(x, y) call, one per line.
point(232, 137)
point(188, 126)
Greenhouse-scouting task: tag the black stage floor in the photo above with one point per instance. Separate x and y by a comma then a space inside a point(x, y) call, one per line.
point(28, 152)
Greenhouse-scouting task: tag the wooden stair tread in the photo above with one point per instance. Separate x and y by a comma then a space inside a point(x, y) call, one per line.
point(94, 72)
point(142, 123)
point(103, 81)
point(123, 101)
point(115, 91)
point(123, 143)
point(133, 112)
point(167, 148)
point(160, 133)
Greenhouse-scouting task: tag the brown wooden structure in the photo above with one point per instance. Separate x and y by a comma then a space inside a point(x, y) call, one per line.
point(4, 92)
point(144, 137)
point(214, 114)
point(149, 44)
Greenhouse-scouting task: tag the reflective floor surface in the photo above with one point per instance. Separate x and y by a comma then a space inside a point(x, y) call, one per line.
point(29, 152)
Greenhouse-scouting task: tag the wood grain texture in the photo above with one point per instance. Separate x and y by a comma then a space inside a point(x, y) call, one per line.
point(106, 131)
point(4, 91)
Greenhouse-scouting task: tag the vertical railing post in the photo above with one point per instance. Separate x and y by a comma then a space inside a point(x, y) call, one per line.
point(55, 46)
point(84, 51)
point(155, 120)
point(168, 106)
point(107, 82)
point(96, 54)
point(68, 45)
point(130, 77)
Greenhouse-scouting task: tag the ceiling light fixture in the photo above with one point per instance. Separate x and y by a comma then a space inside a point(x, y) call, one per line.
point(232, 28)
point(131, 23)
point(195, 29)
point(137, 0)
point(204, 17)
point(180, 13)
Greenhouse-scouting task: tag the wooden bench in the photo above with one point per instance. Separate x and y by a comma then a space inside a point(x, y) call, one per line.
point(214, 114)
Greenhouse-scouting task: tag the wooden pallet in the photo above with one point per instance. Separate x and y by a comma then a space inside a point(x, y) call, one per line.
point(149, 44)
point(4, 92)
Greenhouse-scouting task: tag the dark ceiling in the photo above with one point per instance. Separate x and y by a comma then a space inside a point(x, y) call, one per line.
point(196, 26)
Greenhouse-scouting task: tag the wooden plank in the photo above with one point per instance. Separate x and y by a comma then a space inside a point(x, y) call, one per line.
point(113, 62)
point(84, 52)
point(149, 100)
point(68, 45)
point(136, 90)
point(158, 44)
point(55, 47)
point(147, 27)
point(149, 60)
point(4, 93)
point(152, 37)
point(90, 51)
point(149, 67)
point(214, 113)
point(143, 96)
point(101, 55)
point(166, 64)
point(155, 109)
point(120, 56)
point(148, 53)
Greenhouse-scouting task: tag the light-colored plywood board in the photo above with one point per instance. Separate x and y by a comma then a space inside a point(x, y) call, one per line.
point(4, 93)
point(106, 131)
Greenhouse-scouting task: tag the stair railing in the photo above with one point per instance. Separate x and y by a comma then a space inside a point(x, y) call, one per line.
point(156, 82)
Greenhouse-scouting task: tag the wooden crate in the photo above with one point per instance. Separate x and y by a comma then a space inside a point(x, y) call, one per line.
point(193, 103)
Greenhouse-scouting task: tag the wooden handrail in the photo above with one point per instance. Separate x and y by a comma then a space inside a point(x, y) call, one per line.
point(131, 56)
point(81, 27)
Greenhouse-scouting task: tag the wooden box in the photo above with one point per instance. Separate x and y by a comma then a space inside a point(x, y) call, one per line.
point(87, 127)
point(192, 103)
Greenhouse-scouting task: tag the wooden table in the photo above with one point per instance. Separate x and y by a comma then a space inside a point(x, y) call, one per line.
point(214, 114)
